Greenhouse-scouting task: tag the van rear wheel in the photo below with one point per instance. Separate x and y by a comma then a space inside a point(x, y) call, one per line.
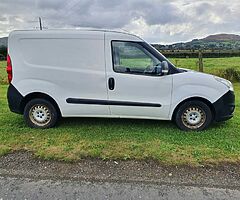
point(40, 113)
point(193, 116)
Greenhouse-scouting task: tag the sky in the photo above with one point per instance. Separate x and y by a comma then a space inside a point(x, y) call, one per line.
point(156, 21)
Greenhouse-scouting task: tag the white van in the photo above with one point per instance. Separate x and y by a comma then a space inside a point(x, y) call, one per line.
point(100, 73)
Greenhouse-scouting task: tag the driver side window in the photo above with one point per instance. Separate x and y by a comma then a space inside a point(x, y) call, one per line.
point(133, 58)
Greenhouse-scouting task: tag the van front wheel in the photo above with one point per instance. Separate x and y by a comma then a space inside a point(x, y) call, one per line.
point(40, 113)
point(193, 116)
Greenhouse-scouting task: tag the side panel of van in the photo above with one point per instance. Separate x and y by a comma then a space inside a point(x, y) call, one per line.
point(69, 67)
point(205, 86)
point(135, 95)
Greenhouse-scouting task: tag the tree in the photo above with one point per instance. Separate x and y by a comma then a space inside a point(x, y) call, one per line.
point(3, 52)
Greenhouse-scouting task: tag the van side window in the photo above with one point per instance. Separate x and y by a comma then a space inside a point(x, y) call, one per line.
point(133, 58)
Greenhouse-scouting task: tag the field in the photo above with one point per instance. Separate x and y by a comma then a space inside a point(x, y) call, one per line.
point(3, 73)
point(211, 65)
point(78, 138)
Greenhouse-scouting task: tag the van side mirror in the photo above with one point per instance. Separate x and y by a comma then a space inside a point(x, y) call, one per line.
point(165, 68)
point(162, 69)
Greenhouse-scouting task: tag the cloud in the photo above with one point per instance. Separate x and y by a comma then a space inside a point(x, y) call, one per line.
point(154, 20)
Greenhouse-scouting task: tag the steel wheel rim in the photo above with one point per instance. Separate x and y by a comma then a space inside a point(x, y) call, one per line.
point(193, 117)
point(40, 115)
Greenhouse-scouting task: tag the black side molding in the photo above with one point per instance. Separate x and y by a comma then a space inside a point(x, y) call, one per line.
point(109, 102)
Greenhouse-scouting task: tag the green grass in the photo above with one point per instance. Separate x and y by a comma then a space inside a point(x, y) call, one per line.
point(77, 138)
point(3, 73)
point(211, 65)
point(139, 62)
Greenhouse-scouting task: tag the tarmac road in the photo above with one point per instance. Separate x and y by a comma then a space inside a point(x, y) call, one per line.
point(24, 188)
point(23, 176)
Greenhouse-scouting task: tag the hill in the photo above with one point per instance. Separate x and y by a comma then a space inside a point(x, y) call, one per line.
point(222, 37)
point(211, 42)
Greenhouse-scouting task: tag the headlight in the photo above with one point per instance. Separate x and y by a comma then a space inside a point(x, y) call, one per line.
point(225, 82)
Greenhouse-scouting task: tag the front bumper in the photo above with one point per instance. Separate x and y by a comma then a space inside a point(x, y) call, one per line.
point(224, 107)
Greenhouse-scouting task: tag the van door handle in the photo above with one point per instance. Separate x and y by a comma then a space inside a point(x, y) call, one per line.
point(111, 83)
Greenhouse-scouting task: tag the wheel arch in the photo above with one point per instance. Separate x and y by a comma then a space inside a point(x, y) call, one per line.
point(39, 95)
point(207, 102)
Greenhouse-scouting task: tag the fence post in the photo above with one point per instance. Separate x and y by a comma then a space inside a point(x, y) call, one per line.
point(200, 61)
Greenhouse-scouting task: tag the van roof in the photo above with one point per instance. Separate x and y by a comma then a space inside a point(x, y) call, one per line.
point(120, 31)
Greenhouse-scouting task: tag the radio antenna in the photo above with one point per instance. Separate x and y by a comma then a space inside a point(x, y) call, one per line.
point(40, 23)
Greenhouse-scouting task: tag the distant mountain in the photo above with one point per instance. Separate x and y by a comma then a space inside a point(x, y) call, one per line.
point(211, 42)
point(222, 37)
point(3, 41)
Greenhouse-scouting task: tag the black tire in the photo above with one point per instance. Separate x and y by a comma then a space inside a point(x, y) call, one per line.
point(193, 116)
point(40, 113)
